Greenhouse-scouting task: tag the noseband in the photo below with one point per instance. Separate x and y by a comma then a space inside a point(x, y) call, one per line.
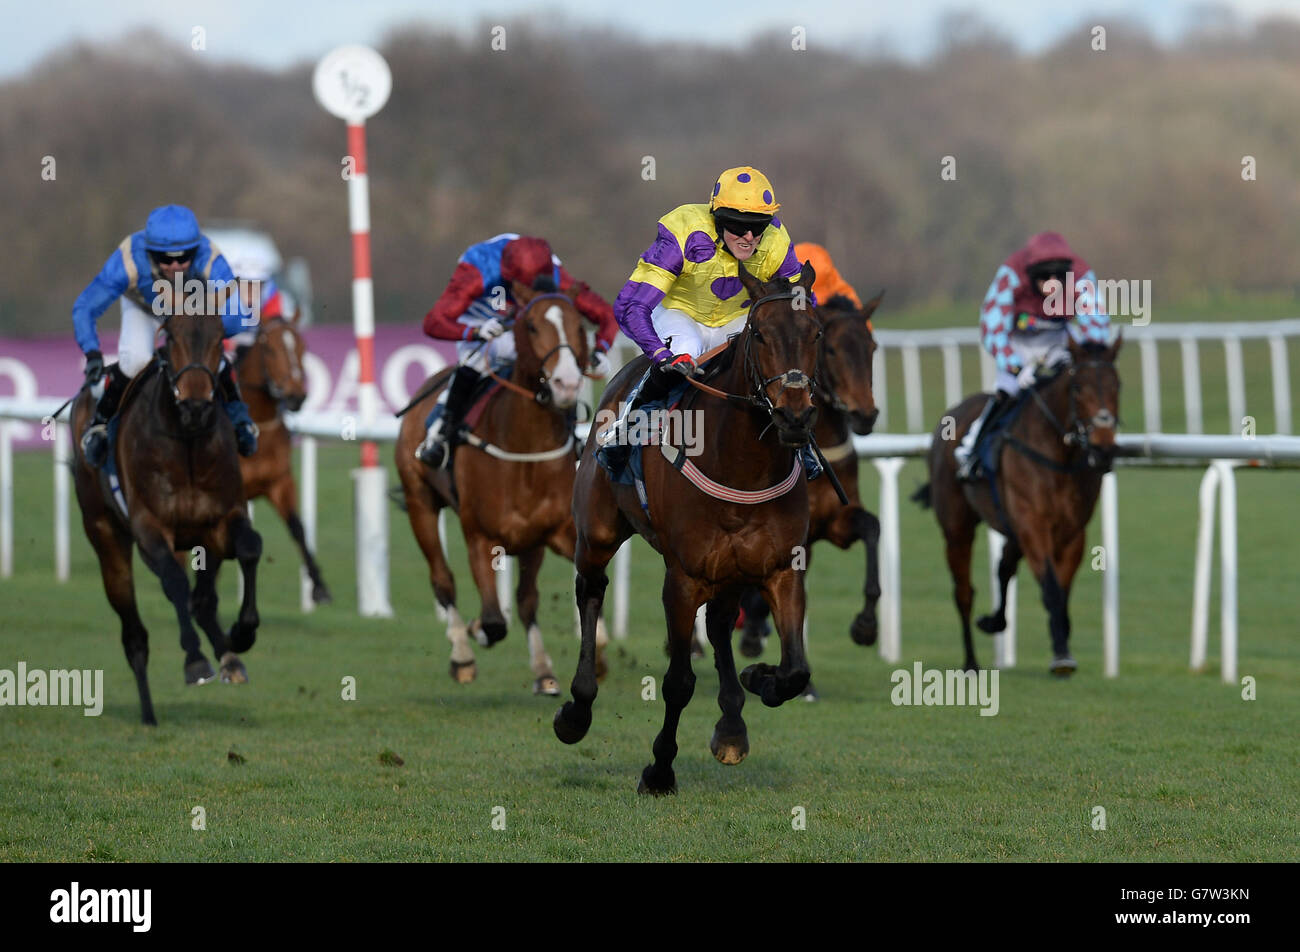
point(173, 379)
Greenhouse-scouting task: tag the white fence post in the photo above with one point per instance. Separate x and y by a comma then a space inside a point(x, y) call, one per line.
point(62, 459)
point(1201, 578)
point(880, 388)
point(622, 577)
point(1281, 384)
point(1110, 576)
point(912, 388)
point(1228, 557)
point(1236, 382)
point(891, 648)
point(1150, 383)
point(1192, 385)
point(952, 392)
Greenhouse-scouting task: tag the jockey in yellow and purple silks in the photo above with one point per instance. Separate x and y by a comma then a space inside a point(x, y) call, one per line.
point(685, 296)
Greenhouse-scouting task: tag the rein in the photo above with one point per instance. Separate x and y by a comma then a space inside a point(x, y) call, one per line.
point(1075, 432)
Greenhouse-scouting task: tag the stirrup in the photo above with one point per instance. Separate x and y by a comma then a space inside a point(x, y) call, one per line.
point(95, 450)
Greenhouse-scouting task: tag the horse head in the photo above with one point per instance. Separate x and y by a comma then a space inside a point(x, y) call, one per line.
point(550, 342)
point(846, 363)
point(190, 357)
point(280, 348)
point(1094, 399)
point(779, 346)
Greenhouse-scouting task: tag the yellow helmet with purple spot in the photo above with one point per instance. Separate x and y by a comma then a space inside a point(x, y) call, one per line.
point(744, 189)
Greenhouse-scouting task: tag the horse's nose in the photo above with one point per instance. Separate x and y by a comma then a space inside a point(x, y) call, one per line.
point(295, 401)
point(790, 420)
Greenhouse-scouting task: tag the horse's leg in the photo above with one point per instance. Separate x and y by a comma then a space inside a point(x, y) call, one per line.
point(113, 546)
point(284, 496)
point(158, 553)
point(682, 597)
point(203, 605)
point(526, 598)
point(564, 543)
point(865, 627)
point(422, 511)
point(1062, 568)
point(491, 625)
point(730, 741)
point(997, 621)
point(785, 593)
point(756, 627)
point(247, 545)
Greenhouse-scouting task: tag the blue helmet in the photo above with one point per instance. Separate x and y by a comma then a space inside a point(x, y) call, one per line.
point(171, 228)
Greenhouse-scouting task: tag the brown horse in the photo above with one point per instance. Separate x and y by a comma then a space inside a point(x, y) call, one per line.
point(746, 531)
point(845, 406)
point(176, 463)
point(512, 491)
point(1051, 463)
point(270, 375)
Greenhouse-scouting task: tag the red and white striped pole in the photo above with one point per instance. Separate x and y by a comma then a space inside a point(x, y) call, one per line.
point(353, 83)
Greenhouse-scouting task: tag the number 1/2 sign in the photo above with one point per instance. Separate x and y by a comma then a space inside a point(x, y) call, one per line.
point(352, 83)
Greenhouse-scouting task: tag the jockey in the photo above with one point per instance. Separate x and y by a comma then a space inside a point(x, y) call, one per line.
point(1026, 322)
point(257, 269)
point(474, 310)
point(829, 287)
point(170, 245)
point(685, 295)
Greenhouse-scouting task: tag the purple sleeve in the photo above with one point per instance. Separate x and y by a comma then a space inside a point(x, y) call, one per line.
point(632, 308)
point(791, 268)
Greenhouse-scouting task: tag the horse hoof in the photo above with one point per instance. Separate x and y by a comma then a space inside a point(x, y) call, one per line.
point(729, 750)
point(571, 724)
point(320, 594)
point(1064, 666)
point(751, 645)
point(810, 693)
point(864, 630)
point(199, 672)
point(232, 669)
point(463, 672)
point(489, 633)
point(653, 786)
point(602, 666)
point(547, 685)
point(991, 624)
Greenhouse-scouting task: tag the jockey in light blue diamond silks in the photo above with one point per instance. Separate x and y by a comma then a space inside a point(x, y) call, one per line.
point(170, 245)
point(1040, 298)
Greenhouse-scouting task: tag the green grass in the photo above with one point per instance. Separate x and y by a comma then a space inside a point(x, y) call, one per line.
point(1185, 769)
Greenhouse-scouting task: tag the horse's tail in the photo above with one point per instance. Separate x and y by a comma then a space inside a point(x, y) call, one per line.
point(922, 496)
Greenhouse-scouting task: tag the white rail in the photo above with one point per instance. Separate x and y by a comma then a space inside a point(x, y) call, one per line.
point(887, 451)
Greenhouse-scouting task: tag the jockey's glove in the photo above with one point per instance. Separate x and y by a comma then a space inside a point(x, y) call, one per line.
point(491, 328)
point(94, 367)
point(599, 365)
point(683, 364)
point(1025, 379)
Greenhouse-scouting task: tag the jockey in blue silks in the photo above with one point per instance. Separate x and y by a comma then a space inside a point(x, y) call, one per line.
point(171, 244)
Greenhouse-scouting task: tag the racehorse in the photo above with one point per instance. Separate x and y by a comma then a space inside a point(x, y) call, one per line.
point(511, 483)
point(180, 482)
point(744, 531)
point(845, 406)
point(270, 374)
point(1049, 474)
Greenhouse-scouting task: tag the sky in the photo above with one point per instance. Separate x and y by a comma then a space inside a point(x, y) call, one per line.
point(279, 33)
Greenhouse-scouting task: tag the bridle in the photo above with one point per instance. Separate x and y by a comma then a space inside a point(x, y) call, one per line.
point(828, 394)
point(793, 379)
point(1075, 431)
point(542, 395)
point(173, 379)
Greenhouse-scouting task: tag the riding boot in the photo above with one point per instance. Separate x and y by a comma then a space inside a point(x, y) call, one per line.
point(443, 436)
point(237, 410)
point(614, 448)
point(94, 442)
point(967, 451)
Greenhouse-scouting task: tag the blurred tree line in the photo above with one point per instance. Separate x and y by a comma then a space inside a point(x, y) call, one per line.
point(1135, 153)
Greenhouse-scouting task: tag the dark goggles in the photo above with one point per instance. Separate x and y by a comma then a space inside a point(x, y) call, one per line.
point(168, 257)
point(741, 226)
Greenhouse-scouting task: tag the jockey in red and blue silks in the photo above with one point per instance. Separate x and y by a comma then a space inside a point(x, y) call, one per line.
point(474, 310)
point(171, 244)
point(1025, 324)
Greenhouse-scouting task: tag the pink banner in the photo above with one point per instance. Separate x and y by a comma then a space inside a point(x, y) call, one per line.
point(52, 367)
